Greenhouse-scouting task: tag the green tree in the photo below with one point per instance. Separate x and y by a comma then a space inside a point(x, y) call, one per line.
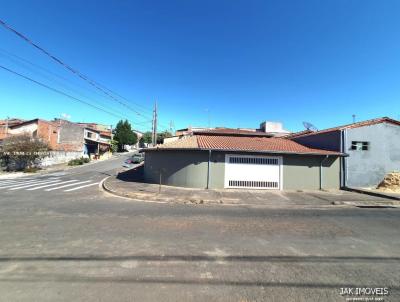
point(146, 138)
point(124, 135)
point(162, 135)
point(114, 145)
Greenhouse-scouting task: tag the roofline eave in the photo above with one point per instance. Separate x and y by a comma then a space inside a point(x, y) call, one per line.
point(244, 151)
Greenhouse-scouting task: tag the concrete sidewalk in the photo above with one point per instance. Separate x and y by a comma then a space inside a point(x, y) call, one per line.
point(128, 184)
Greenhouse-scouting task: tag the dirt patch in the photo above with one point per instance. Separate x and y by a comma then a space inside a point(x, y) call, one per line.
point(391, 182)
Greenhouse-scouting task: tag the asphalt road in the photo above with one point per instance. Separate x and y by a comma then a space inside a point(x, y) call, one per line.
point(87, 245)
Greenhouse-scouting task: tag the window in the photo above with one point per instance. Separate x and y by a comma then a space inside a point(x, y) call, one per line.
point(359, 146)
point(253, 160)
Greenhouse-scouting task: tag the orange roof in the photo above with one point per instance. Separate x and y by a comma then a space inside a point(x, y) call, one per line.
point(241, 143)
point(351, 126)
point(105, 133)
point(186, 142)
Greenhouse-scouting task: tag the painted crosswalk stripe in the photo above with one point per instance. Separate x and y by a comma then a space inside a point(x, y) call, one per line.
point(5, 182)
point(34, 184)
point(77, 188)
point(8, 182)
point(69, 185)
point(23, 183)
point(50, 185)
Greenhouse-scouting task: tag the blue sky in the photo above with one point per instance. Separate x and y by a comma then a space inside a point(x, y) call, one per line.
point(243, 61)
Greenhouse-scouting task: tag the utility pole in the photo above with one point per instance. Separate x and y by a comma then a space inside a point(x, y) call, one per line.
point(6, 134)
point(154, 130)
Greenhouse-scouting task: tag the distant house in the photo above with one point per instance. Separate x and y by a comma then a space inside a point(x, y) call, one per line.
point(373, 147)
point(267, 128)
point(45, 130)
point(70, 140)
point(6, 124)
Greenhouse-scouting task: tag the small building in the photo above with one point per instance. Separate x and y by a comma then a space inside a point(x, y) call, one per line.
point(45, 130)
point(373, 148)
point(210, 160)
point(267, 129)
point(65, 139)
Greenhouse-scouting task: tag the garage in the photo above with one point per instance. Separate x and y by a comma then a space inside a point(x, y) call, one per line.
point(253, 172)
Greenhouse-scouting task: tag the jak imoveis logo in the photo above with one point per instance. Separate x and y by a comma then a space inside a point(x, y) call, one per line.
point(364, 291)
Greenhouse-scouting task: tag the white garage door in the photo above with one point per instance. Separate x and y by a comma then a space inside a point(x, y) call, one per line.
point(253, 172)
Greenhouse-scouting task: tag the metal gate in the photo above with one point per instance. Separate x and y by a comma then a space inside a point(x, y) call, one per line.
point(253, 172)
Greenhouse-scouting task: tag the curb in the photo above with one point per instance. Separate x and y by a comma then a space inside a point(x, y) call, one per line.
point(103, 185)
point(375, 194)
point(109, 190)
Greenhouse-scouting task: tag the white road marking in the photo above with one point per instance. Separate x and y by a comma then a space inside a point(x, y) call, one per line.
point(77, 188)
point(69, 185)
point(57, 174)
point(34, 184)
point(7, 182)
point(23, 183)
point(50, 185)
point(16, 182)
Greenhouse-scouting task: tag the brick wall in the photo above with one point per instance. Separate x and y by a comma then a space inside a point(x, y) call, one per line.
point(71, 137)
point(48, 132)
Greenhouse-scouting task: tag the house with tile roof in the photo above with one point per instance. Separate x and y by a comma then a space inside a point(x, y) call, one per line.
point(373, 148)
point(267, 128)
point(226, 159)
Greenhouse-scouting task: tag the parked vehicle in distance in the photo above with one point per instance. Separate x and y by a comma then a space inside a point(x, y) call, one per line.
point(138, 158)
point(134, 159)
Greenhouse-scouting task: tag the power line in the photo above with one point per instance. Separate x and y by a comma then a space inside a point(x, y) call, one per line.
point(68, 67)
point(15, 57)
point(11, 57)
point(57, 91)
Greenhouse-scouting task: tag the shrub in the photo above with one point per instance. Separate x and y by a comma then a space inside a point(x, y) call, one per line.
point(78, 161)
point(22, 151)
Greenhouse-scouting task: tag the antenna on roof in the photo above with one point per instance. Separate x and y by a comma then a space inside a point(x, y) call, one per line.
point(309, 126)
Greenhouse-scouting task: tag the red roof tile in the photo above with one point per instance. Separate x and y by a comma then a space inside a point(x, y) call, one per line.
point(241, 143)
point(186, 142)
point(353, 125)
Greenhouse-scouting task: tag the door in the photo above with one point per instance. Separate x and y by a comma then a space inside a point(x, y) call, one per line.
point(253, 172)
